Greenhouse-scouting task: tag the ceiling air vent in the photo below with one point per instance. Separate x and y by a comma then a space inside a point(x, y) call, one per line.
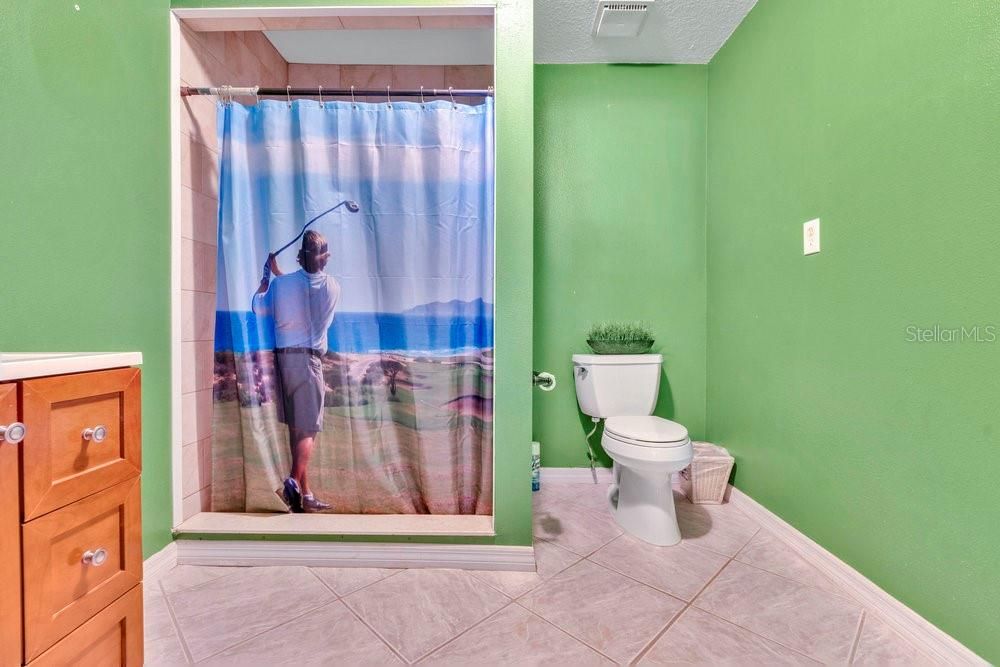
point(620, 19)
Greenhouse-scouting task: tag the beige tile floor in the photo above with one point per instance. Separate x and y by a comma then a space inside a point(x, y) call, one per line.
point(730, 593)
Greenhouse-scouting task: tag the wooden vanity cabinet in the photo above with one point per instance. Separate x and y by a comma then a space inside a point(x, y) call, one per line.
point(70, 519)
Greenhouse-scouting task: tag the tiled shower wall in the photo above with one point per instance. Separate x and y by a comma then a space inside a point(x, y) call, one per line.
point(238, 58)
point(243, 59)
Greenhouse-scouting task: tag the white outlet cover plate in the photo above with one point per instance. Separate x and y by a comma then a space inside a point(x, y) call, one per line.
point(810, 237)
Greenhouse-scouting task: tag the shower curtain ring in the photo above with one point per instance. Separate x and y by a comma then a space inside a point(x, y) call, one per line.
point(422, 104)
point(288, 94)
point(321, 97)
point(451, 93)
point(256, 94)
point(388, 100)
point(354, 104)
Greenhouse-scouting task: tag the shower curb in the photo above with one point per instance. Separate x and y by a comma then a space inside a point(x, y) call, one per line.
point(355, 554)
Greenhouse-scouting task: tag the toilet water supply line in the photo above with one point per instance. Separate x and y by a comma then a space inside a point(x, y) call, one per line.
point(590, 448)
point(547, 382)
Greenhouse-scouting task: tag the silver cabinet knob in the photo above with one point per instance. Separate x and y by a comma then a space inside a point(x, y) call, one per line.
point(98, 433)
point(96, 557)
point(13, 432)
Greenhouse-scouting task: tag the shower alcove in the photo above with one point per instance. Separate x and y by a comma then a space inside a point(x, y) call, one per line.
point(336, 48)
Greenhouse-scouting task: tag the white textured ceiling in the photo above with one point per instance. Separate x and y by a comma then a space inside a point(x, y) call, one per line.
point(676, 31)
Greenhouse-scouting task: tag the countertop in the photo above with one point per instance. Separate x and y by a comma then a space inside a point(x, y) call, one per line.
point(20, 365)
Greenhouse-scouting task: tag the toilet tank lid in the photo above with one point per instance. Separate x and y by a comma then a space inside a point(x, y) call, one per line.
point(616, 359)
point(646, 429)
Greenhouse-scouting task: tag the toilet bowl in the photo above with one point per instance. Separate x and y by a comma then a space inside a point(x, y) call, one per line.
point(647, 451)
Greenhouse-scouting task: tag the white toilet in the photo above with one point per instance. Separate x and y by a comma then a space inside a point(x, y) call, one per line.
point(647, 450)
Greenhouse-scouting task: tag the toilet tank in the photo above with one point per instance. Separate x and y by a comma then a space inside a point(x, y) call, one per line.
point(617, 385)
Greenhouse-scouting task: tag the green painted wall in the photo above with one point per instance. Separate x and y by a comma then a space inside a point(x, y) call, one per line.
point(86, 221)
point(619, 232)
point(514, 206)
point(84, 187)
point(882, 120)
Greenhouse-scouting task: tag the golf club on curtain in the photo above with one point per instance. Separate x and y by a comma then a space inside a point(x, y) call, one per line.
point(351, 205)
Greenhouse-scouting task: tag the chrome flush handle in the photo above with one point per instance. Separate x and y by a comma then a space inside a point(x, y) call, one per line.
point(96, 557)
point(13, 432)
point(98, 433)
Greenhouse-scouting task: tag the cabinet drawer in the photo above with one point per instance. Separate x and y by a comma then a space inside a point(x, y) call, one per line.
point(111, 638)
point(62, 458)
point(77, 560)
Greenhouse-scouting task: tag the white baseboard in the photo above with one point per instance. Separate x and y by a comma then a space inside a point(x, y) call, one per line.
point(575, 475)
point(355, 554)
point(159, 563)
point(921, 632)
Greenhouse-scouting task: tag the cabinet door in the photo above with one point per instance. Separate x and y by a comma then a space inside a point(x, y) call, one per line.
point(112, 638)
point(10, 537)
point(83, 436)
point(77, 560)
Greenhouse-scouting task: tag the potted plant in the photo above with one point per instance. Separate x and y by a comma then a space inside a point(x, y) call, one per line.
point(620, 338)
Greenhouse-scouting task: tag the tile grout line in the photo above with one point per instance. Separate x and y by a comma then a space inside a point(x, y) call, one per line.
point(648, 585)
point(325, 585)
point(361, 588)
point(566, 632)
point(260, 634)
point(843, 596)
point(676, 617)
point(729, 560)
point(742, 627)
point(463, 632)
point(500, 590)
point(350, 610)
point(794, 553)
point(243, 641)
point(173, 620)
point(724, 620)
point(363, 622)
point(518, 599)
point(573, 637)
point(197, 291)
point(857, 637)
point(236, 569)
point(758, 635)
point(375, 632)
point(687, 604)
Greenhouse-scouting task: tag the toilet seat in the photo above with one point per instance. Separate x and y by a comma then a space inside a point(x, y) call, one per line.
point(646, 431)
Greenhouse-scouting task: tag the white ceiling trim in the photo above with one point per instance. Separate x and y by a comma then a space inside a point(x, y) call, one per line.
point(485, 8)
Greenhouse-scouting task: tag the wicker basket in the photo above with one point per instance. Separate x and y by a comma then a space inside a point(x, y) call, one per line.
point(705, 480)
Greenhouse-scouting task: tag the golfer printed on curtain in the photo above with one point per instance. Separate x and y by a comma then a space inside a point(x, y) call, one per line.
point(354, 324)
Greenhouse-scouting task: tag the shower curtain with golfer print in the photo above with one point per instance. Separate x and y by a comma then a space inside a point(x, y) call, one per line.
point(362, 366)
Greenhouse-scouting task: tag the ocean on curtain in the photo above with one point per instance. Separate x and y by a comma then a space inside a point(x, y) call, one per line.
point(354, 374)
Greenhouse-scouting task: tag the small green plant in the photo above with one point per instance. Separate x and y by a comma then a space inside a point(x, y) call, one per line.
point(620, 338)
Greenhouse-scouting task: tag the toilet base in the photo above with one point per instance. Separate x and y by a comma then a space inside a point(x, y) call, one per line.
point(643, 505)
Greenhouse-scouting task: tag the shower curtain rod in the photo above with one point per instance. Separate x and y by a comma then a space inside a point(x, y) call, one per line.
point(251, 91)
